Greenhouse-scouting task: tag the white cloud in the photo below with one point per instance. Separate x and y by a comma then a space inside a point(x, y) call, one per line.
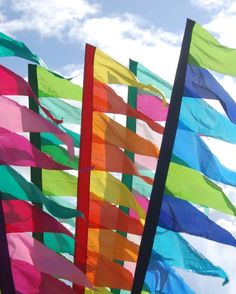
point(125, 37)
point(223, 25)
point(210, 4)
point(121, 36)
point(48, 17)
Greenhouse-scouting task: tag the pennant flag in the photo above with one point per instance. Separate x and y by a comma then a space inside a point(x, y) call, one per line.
point(104, 272)
point(106, 100)
point(212, 55)
point(196, 178)
point(114, 134)
point(175, 217)
point(53, 85)
point(161, 278)
point(17, 150)
point(185, 256)
point(62, 110)
point(199, 84)
point(107, 216)
point(20, 216)
point(28, 279)
point(109, 71)
point(11, 47)
point(205, 120)
point(13, 84)
point(15, 186)
point(102, 142)
point(104, 186)
point(111, 245)
point(24, 248)
point(23, 119)
point(201, 159)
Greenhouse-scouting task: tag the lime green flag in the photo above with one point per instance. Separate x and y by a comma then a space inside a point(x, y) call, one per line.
point(207, 52)
point(51, 84)
point(191, 185)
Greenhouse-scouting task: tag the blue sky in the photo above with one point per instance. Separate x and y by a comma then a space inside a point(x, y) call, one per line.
point(149, 31)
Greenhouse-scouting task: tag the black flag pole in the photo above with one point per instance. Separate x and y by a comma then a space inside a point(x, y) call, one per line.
point(163, 164)
point(6, 279)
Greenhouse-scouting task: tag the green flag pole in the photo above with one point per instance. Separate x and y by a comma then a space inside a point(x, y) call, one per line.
point(6, 279)
point(35, 138)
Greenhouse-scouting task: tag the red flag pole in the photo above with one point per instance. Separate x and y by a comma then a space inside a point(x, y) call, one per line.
point(81, 231)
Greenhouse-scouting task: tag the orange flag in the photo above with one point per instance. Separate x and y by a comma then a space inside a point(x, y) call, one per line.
point(112, 245)
point(103, 272)
point(113, 133)
point(103, 159)
point(105, 99)
point(107, 216)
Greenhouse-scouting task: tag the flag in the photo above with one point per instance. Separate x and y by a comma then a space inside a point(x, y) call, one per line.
point(101, 152)
point(11, 47)
point(190, 119)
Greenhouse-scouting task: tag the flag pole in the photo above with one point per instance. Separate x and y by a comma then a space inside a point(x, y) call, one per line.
point(163, 164)
point(127, 180)
point(83, 193)
point(6, 279)
point(35, 139)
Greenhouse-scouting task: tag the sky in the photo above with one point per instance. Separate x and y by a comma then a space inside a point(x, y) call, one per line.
point(148, 31)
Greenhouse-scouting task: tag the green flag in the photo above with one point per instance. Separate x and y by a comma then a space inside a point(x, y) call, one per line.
point(51, 84)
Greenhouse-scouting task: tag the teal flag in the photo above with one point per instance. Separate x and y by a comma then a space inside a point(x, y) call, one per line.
point(15, 186)
point(11, 47)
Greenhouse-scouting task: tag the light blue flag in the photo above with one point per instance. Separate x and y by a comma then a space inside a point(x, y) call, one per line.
point(200, 117)
point(62, 110)
point(147, 77)
point(201, 157)
point(177, 252)
point(162, 279)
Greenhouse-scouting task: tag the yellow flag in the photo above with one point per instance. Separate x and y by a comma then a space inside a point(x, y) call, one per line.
point(109, 71)
point(106, 187)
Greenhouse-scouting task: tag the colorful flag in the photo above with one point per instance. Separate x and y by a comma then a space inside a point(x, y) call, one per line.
point(197, 177)
point(101, 152)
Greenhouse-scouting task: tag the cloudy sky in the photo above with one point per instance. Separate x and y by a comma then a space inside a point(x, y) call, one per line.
point(149, 31)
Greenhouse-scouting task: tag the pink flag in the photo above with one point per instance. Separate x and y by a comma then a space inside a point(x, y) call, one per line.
point(17, 150)
point(155, 110)
point(22, 119)
point(20, 216)
point(27, 279)
point(13, 84)
point(24, 248)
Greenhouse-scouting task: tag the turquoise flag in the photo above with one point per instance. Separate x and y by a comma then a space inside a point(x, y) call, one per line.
point(11, 47)
point(15, 186)
point(177, 252)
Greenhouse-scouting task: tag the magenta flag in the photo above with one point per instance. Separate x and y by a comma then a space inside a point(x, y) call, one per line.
point(22, 119)
point(155, 110)
point(27, 249)
point(17, 150)
point(27, 279)
point(13, 84)
point(20, 216)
